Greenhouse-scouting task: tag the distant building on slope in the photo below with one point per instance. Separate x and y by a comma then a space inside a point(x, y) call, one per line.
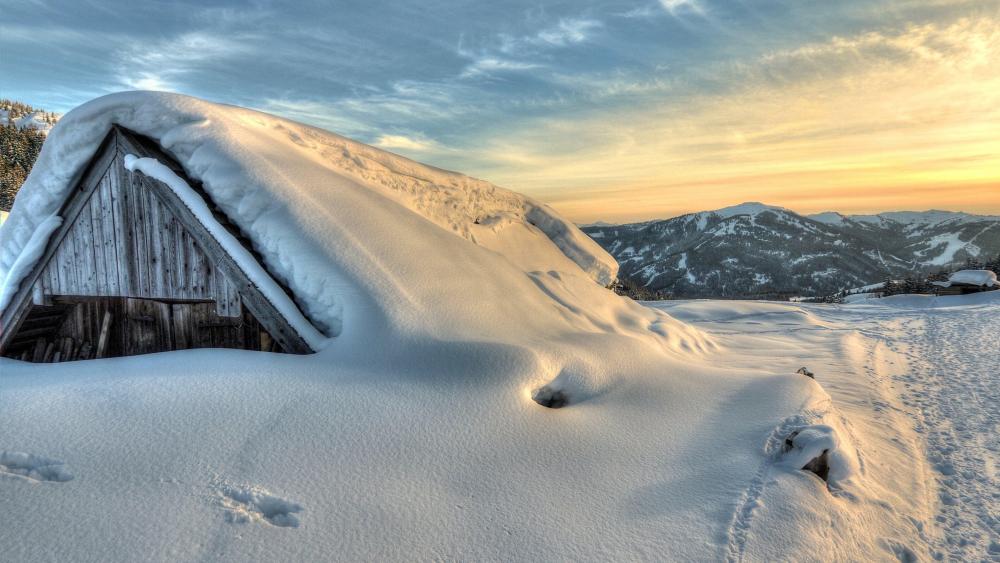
point(133, 270)
point(967, 281)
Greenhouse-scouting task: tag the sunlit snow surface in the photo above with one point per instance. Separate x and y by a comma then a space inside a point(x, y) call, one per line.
point(412, 435)
point(436, 450)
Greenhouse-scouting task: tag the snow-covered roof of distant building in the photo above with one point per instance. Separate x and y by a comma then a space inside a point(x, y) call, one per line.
point(984, 278)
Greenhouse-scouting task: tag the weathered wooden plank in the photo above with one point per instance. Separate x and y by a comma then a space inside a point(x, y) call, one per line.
point(167, 263)
point(97, 233)
point(145, 238)
point(102, 340)
point(86, 228)
point(118, 282)
point(65, 348)
point(62, 263)
point(75, 246)
point(164, 326)
point(132, 230)
point(197, 269)
point(123, 240)
point(28, 332)
point(181, 325)
point(39, 353)
point(137, 226)
point(154, 235)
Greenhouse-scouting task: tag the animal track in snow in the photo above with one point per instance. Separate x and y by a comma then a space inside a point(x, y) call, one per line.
point(32, 467)
point(252, 503)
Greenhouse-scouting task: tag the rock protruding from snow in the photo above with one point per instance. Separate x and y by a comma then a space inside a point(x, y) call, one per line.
point(816, 449)
point(549, 397)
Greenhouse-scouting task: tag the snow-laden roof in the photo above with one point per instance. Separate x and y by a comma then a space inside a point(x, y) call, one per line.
point(346, 226)
point(974, 277)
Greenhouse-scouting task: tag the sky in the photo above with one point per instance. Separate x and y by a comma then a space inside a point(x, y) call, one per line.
point(613, 111)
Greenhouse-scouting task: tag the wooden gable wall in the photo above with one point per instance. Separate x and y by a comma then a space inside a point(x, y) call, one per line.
point(132, 256)
point(126, 242)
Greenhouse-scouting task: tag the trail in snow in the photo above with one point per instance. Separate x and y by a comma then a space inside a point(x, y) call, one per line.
point(953, 388)
point(918, 380)
point(950, 389)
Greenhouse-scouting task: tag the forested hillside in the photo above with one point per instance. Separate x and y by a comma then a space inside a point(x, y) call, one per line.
point(22, 132)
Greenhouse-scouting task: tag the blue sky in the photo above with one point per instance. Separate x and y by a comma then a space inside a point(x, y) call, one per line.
point(610, 110)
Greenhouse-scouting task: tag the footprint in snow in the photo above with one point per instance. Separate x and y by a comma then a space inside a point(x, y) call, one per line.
point(251, 503)
point(32, 467)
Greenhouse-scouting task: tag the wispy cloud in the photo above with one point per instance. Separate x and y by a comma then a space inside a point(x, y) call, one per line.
point(487, 65)
point(567, 32)
point(405, 142)
point(161, 65)
point(676, 7)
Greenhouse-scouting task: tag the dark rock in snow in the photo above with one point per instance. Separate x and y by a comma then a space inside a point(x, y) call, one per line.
point(820, 465)
point(551, 398)
point(805, 371)
point(789, 442)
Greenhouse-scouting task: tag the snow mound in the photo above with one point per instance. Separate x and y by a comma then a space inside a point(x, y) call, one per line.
point(352, 230)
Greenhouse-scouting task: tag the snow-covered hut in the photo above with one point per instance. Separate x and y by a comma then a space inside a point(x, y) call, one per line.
point(166, 222)
point(136, 263)
point(967, 281)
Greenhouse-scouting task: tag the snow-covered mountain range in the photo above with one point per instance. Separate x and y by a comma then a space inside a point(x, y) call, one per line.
point(756, 249)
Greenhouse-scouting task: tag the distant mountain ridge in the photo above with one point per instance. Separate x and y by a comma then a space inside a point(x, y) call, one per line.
point(753, 249)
